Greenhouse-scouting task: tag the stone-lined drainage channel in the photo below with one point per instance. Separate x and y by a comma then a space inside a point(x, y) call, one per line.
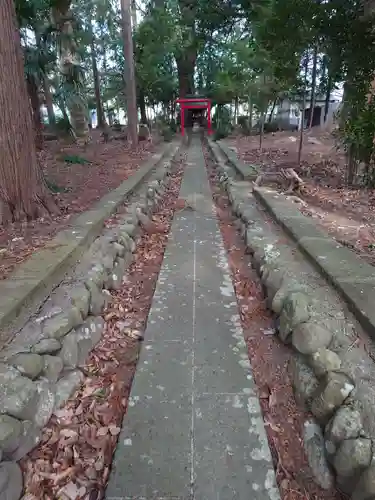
point(74, 456)
point(269, 359)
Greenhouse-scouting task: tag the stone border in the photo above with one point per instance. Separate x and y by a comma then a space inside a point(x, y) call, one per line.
point(352, 277)
point(332, 378)
point(41, 367)
point(34, 279)
point(247, 172)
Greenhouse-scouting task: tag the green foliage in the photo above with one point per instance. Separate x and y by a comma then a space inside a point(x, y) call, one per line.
point(63, 126)
point(222, 123)
point(75, 159)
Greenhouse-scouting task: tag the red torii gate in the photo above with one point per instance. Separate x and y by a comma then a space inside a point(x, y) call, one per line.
point(195, 103)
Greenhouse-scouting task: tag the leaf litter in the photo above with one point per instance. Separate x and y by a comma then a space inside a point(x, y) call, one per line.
point(269, 360)
point(83, 185)
point(347, 214)
point(73, 459)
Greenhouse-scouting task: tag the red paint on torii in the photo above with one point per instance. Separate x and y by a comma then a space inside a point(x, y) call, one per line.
point(195, 103)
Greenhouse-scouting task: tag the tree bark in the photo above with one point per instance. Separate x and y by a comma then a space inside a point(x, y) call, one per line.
point(23, 193)
point(134, 14)
point(69, 63)
point(142, 107)
point(99, 105)
point(328, 97)
point(250, 113)
point(300, 144)
point(33, 91)
point(272, 110)
point(185, 70)
point(313, 86)
point(49, 102)
point(236, 111)
point(129, 72)
point(45, 84)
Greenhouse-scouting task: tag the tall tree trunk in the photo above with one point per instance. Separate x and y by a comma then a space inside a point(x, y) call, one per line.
point(69, 64)
point(142, 107)
point(300, 144)
point(23, 193)
point(134, 14)
point(129, 72)
point(49, 102)
point(313, 85)
point(99, 105)
point(272, 110)
point(185, 70)
point(33, 91)
point(236, 111)
point(251, 106)
point(263, 118)
point(328, 97)
point(45, 84)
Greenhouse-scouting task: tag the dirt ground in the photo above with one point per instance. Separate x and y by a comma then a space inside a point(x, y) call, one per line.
point(79, 187)
point(346, 214)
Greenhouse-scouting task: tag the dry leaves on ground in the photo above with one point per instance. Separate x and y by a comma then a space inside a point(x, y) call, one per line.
point(346, 214)
point(73, 460)
point(84, 184)
point(269, 361)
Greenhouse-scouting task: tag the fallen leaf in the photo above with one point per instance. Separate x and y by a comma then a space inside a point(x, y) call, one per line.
point(115, 431)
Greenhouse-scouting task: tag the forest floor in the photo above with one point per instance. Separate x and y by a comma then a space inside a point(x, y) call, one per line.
point(78, 185)
point(348, 215)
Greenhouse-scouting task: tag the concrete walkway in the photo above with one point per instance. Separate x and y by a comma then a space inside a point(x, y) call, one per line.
point(194, 429)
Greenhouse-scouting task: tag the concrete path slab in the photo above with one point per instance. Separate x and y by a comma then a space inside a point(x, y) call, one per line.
point(194, 428)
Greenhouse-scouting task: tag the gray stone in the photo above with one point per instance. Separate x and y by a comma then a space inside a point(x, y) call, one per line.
point(120, 249)
point(80, 297)
point(46, 404)
point(304, 382)
point(108, 261)
point(99, 300)
point(273, 282)
point(95, 277)
point(66, 386)
point(69, 351)
point(295, 311)
point(315, 452)
point(333, 391)
point(18, 394)
point(114, 281)
point(10, 432)
point(11, 481)
point(308, 337)
point(23, 341)
point(127, 241)
point(47, 346)
point(77, 345)
point(129, 229)
point(30, 365)
point(288, 286)
point(143, 219)
point(352, 456)
point(346, 424)
point(30, 438)
point(323, 361)
point(60, 325)
point(53, 366)
point(365, 488)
